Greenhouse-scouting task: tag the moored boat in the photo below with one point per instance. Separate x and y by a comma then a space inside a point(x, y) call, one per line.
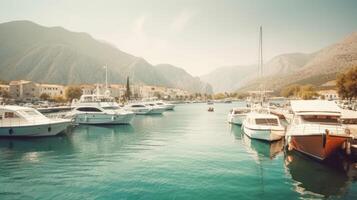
point(316, 129)
point(17, 121)
point(138, 108)
point(237, 115)
point(263, 126)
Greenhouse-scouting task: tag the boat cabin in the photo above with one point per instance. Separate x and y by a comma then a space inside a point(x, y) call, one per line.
point(315, 112)
point(263, 119)
point(17, 114)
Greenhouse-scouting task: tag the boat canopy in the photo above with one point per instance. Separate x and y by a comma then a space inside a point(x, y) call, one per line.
point(315, 107)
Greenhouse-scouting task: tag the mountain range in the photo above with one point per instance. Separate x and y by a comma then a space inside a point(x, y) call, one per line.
point(296, 68)
point(55, 55)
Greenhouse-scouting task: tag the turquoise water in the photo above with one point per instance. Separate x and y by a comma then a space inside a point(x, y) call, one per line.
point(185, 154)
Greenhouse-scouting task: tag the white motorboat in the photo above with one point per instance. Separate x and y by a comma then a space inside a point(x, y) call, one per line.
point(167, 106)
point(316, 128)
point(87, 114)
point(263, 126)
point(99, 109)
point(138, 108)
point(155, 109)
point(237, 115)
point(17, 121)
point(259, 123)
point(160, 103)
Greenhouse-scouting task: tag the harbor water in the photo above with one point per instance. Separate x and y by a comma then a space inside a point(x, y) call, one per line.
point(188, 153)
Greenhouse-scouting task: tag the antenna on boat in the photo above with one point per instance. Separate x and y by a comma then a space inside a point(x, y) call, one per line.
point(261, 51)
point(106, 77)
point(261, 62)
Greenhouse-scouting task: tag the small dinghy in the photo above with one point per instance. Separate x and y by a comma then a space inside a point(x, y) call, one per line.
point(210, 109)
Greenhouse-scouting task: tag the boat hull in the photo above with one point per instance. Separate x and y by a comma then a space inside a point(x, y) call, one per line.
point(263, 134)
point(317, 146)
point(38, 130)
point(157, 111)
point(169, 107)
point(104, 118)
point(236, 119)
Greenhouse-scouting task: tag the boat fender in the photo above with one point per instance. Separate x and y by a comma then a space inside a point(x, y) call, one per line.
point(348, 131)
point(85, 118)
point(49, 129)
point(113, 118)
point(348, 147)
point(11, 131)
point(324, 137)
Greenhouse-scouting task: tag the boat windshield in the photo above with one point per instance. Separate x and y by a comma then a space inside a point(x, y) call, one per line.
point(137, 106)
point(240, 111)
point(321, 119)
point(160, 104)
point(30, 112)
point(267, 121)
point(111, 108)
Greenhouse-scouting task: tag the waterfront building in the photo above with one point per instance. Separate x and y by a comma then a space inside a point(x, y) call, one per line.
point(23, 90)
point(87, 89)
point(328, 94)
point(51, 90)
point(4, 88)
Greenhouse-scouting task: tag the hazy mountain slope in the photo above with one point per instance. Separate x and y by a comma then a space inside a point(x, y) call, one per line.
point(231, 78)
point(55, 55)
point(315, 68)
point(182, 79)
point(30, 51)
point(322, 67)
point(286, 63)
point(227, 79)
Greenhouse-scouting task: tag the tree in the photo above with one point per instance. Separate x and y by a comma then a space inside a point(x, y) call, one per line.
point(44, 96)
point(4, 94)
point(347, 84)
point(127, 92)
point(307, 92)
point(303, 92)
point(73, 92)
point(290, 91)
point(59, 99)
point(219, 96)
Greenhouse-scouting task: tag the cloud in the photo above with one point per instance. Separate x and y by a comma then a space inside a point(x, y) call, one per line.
point(181, 20)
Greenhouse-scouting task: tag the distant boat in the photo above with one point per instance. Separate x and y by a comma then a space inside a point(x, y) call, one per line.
point(210, 109)
point(138, 108)
point(160, 103)
point(237, 115)
point(99, 108)
point(316, 129)
point(17, 121)
point(155, 109)
point(209, 102)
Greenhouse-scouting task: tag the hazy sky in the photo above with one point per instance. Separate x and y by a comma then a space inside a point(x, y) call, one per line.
point(197, 35)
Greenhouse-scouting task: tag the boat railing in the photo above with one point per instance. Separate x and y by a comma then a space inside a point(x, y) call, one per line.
point(315, 129)
point(20, 121)
point(59, 115)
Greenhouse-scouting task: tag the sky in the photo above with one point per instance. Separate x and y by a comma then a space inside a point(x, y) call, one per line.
point(197, 35)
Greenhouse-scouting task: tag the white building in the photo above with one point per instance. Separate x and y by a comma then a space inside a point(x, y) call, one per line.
point(329, 94)
point(52, 90)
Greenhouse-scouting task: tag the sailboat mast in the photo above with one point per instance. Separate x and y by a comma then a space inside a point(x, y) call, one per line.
point(261, 51)
point(261, 63)
point(106, 77)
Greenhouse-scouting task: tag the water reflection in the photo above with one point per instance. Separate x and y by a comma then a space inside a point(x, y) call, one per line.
point(43, 144)
point(19, 151)
point(328, 179)
point(258, 147)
